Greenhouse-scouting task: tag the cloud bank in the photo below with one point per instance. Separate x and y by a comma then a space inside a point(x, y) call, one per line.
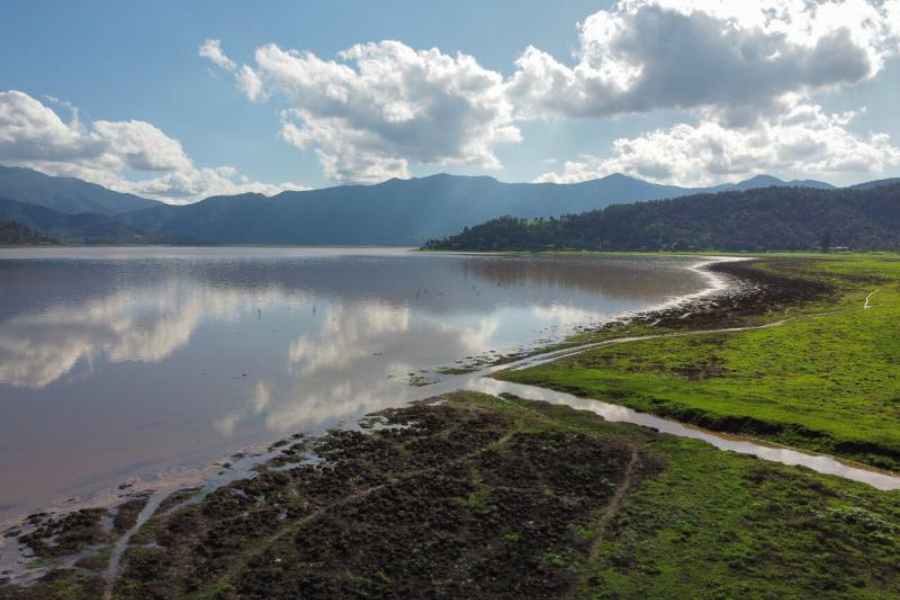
point(804, 139)
point(108, 153)
point(745, 72)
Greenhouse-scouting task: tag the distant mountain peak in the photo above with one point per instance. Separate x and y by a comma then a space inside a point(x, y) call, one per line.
point(66, 194)
point(619, 177)
point(762, 179)
point(451, 177)
point(765, 180)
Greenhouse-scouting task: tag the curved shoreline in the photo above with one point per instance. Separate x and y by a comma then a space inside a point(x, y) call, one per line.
point(192, 474)
point(159, 484)
point(721, 286)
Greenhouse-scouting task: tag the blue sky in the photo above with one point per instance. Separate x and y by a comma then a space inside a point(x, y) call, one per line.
point(581, 95)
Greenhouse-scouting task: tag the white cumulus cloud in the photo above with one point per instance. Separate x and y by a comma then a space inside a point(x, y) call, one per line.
point(740, 58)
point(805, 139)
point(212, 49)
point(108, 152)
point(378, 108)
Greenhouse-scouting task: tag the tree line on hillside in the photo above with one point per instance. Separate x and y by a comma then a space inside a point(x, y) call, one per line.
point(775, 218)
point(13, 233)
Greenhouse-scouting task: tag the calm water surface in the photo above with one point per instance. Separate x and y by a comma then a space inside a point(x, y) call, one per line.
point(116, 362)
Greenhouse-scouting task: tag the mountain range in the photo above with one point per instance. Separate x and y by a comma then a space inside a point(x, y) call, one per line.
point(395, 212)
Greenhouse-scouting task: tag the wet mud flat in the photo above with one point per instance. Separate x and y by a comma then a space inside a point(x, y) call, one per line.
point(752, 292)
point(445, 497)
point(78, 544)
point(469, 495)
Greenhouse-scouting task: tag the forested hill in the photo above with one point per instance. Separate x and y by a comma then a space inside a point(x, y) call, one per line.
point(774, 218)
point(16, 234)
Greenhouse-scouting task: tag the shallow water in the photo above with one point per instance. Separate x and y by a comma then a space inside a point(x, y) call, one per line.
point(616, 413)
point(124, 362)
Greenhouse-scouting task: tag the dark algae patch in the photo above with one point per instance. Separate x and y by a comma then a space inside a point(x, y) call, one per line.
point(477, 496)
point(82, 533)
point(68, 534)
point(177, 497)
point(60, 583)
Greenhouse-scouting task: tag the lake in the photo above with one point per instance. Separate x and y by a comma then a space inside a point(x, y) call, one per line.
point(128, 362)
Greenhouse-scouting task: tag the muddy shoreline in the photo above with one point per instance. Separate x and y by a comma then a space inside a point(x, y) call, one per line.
point(419, 458)
point(751, 292)
point(196, 474)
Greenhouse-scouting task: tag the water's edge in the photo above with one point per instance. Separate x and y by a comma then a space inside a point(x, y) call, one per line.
point(241, 462)
point(172, 479)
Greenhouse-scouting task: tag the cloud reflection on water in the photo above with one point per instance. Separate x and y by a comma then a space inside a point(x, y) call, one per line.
point(115, 361)
point(146, 324)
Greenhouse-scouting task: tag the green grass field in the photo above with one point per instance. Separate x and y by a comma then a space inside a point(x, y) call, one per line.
point(710, 524)
point(827, 380)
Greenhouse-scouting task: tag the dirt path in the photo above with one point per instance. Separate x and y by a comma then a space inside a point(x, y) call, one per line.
point(568, 352)
point(611, 510)
point(615, 503)
point(541, 359)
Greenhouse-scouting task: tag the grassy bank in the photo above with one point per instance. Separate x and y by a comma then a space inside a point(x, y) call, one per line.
point(500, 497)
point(827, 380)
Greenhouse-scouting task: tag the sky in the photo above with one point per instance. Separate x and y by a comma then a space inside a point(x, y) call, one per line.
point(179, 101)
